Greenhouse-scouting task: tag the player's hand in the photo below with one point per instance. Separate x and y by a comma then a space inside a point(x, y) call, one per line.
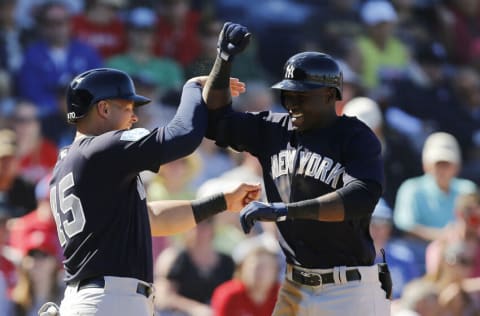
point(237, 87)
point(241, 196)
point(258, 211)
point(232, 40)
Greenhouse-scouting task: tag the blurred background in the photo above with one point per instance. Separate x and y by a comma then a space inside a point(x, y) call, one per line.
point(411, 73)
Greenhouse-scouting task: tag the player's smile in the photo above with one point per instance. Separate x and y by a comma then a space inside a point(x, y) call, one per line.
point(308, 109)
point(296, 116)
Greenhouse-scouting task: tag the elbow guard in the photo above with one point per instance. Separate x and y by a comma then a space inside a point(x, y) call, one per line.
point(359, 198)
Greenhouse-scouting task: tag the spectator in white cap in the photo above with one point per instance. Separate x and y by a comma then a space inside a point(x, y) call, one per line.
point(400, 259)
point(382, 53)
point(425, 204)
point(400, 158)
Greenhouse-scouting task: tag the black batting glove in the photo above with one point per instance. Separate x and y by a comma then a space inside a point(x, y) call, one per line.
point(232, 40)
point(258, 211)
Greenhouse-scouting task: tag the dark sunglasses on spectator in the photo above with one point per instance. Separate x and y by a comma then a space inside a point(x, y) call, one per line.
point(37, 254)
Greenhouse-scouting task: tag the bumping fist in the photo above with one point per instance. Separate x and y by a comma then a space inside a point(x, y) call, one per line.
point(232, 40)
point(258, 211)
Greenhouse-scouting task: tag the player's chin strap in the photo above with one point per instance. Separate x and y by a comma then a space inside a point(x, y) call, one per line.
point(49, 309)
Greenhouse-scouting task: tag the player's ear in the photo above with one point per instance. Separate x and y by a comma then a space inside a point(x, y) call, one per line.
point(103, 108)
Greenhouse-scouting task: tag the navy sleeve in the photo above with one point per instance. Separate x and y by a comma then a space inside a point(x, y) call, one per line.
point(244, 131)
point(139, 149)
point(364, 156)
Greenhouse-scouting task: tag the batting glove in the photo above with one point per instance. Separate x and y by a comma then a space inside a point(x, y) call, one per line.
point(232, 40)
point(258, 211)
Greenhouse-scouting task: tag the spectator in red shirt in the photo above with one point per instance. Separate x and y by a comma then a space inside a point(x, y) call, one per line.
point(177, 31)
point(37, 155)
point(8, 258)
point(101, 27)
point(254, 289)
point(38, 226)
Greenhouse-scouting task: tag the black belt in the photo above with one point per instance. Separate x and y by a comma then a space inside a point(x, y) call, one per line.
point(99, 283)
point(316, 279)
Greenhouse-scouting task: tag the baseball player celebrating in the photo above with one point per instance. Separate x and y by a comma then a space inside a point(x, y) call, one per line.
point(98, 199)
point(323, 175)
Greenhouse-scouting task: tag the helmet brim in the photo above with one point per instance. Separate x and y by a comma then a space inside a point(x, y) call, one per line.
point(139, 100)
point(295, 85)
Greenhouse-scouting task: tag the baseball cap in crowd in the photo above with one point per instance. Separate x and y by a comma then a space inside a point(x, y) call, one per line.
point(441, 146)
point(264, 241)
point(141, 18)
point(40, 241)
point(366, 110)
point(8, 143)
point(377, 11)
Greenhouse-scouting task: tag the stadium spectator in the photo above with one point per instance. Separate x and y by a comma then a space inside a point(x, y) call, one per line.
point(419, 298)
point(51, 61)
point(400, 259)
point(177, 31)
point(383, 55)
point(38, 280)
point(254, 289)
point(424, 205)
point(465, 227)
point(37, 155)
point(139, 58)
point(15, 192)
point(100, 26)
point(193, 275)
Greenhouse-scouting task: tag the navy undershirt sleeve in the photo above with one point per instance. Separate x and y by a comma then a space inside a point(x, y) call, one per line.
point(184, 133)
point(359, 198)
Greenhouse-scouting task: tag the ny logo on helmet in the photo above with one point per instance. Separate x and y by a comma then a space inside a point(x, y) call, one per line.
point(289, 72)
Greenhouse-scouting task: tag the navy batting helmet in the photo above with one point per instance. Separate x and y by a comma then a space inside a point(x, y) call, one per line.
point(94, 85)
point(311, 70)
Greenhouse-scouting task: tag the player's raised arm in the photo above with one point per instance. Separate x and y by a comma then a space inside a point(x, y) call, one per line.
point(232, 40)
point(172, 217)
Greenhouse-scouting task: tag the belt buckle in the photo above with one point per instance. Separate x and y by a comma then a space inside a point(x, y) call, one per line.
point(311, 279)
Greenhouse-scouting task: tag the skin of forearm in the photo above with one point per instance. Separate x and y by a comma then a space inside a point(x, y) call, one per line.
point(170, 217)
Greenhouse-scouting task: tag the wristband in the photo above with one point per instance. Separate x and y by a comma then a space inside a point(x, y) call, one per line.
point(208, 206)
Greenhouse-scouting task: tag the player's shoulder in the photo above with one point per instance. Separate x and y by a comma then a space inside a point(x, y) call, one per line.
point(114, 137)
point(352, 127)
point(352, 122)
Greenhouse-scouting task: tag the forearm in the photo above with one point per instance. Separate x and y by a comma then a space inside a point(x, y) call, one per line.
point(184, 133)
point(216, 92)
point(426, 233)
point(356, 200)
point(326, 208)
point(172, 217)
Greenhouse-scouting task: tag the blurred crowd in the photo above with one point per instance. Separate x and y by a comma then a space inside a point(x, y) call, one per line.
point(411, 73)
